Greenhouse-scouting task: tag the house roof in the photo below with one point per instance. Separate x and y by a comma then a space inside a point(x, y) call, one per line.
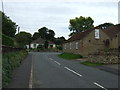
point(80, 35)
point(112, 31)
point(50, 42)
point(39, 41)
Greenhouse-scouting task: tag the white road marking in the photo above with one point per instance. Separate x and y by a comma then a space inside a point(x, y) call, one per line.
point(31, 72)
point(73, 71)
point(99, 85)
point(57, 62)
point(50, 58)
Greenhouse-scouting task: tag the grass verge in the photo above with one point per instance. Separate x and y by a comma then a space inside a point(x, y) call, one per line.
point(10, 61)
point(69, 56)
point(87, 63)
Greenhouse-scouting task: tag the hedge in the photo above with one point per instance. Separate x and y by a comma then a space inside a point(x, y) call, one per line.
point(7, 40)
point(9, 62)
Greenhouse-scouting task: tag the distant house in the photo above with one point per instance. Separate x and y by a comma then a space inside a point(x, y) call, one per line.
point(35, 43)
point(92, 40)
point(40, 41)
point(51, 44)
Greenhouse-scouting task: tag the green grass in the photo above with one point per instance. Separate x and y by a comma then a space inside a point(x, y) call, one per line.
point(69, 56)
point(87, 63)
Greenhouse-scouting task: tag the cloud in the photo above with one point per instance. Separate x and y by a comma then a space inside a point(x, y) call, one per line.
point(31, 16)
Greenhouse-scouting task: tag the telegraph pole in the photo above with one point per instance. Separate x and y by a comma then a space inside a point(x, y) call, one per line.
point(2, 6)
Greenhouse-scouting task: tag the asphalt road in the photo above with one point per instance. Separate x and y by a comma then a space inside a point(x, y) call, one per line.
point(50, 71)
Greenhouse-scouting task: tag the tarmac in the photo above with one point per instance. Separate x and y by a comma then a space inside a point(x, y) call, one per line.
point(21, 75)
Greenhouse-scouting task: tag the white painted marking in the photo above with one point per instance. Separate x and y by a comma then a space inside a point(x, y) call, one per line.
point(73, 71)
point(99, 85)
point(50, 58)
point(30, 81)
point(57, 62)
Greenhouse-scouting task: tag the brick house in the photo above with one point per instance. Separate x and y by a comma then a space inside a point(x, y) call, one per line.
point(92, 40)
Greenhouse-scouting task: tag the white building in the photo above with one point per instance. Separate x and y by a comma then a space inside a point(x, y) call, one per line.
point(40, 41)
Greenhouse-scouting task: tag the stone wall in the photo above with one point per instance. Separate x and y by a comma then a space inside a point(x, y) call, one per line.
point(106, 57)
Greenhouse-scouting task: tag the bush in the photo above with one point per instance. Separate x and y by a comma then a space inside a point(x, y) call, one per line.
point(7, 40)
point(9, 62)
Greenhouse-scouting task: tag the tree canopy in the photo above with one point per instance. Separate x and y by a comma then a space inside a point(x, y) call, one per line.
point(23, 38)
point(35, 36)
point(105, 25)
point(80, 24)
point(8, 26)
point(46, 33)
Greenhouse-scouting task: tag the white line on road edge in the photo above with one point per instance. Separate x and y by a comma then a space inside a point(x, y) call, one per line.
point(73, 71)
point(99, 85)
point(30, 81)
point(57, 62)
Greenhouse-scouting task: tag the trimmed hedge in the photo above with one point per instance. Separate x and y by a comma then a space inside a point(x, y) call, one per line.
point(7, 40)
point(9, 62)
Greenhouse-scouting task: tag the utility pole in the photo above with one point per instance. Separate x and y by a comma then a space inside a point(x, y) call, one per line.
point(2, 6)
point(18, 30)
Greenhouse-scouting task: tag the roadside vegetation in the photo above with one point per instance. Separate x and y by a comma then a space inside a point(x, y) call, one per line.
point(10, 61)
point(88, 63)
point(70, 56)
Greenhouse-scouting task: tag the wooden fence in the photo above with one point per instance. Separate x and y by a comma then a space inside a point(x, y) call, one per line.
point(6, 49)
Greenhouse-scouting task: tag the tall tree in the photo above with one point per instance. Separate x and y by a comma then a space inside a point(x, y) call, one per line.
point(105, 25)
point(80, 24)
point(8, 26)
point(59, 40)
point(35, 36)
point(43, 32)
point(23, 38)
point(46, 33)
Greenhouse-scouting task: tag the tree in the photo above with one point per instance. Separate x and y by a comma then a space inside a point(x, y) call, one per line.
point(35, 36)
point(59, 40)
point(46, 44)
point(46, 33)
point(50, 35)
point(23, 38)
point(8, 26)
point(43, 32)
point(105, 25)
point(80, 24)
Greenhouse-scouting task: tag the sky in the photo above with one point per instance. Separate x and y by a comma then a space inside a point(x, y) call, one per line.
point(32, 15)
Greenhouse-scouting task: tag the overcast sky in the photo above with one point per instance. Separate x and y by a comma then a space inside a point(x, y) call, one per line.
point(31, 15)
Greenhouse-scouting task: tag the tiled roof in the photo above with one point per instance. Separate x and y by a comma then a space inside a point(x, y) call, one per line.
point(50, 42)
point(80, 35)
point(112, 30)
point(39, 41)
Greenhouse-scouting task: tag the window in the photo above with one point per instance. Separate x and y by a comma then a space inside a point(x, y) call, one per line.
point(70, 45)
point(65, 46)
point(76, 44)
point(97, 36)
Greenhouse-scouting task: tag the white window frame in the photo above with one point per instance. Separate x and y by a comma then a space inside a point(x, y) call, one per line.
point(77, 44)
point(97, 34)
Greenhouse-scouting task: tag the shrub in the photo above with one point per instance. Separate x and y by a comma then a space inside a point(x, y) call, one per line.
point(7, 40)
point(9, 62)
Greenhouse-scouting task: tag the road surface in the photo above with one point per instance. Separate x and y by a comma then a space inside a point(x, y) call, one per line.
point(50, 71)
